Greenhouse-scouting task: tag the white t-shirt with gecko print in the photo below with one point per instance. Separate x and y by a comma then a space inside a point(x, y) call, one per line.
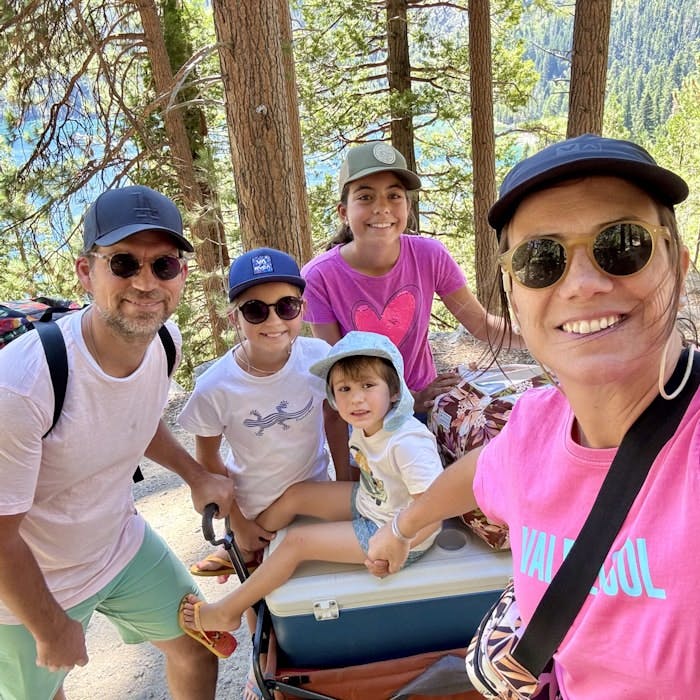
point(273, 425)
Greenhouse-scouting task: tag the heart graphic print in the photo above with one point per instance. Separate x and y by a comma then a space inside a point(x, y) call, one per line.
point(396, 317)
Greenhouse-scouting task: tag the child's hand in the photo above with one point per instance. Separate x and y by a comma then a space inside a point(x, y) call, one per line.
point(425, 398)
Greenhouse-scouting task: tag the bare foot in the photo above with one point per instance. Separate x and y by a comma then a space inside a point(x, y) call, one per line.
point(198, 615)
point(219, 564)
point(216, 564)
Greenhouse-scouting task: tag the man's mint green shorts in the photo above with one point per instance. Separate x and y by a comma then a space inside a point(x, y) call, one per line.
point(141, 602)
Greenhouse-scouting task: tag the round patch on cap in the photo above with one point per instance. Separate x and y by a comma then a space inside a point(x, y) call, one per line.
point(384, 153)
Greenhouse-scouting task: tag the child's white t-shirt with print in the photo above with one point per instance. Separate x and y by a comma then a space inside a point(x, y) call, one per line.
point(273, 425)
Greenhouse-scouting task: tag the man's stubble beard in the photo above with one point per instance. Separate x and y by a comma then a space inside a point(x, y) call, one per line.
point(132, 328)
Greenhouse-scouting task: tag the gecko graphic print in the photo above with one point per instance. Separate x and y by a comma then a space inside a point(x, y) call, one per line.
point(280, 416)
point(394, 320)
point(373, 486)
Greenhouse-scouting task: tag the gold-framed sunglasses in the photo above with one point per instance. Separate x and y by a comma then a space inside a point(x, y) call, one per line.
point(621, 249)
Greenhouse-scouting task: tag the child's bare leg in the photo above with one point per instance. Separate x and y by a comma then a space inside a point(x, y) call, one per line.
point(328, 500)
point(333, 541)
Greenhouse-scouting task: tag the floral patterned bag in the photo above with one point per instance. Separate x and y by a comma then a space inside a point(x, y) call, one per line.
point(472, 413)
point(490, 664)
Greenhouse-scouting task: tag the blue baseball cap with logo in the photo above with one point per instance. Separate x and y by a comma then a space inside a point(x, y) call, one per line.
point(584, 156)
point(262, 265)
point(121, 212)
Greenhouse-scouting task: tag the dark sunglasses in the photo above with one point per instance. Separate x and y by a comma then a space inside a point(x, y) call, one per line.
point(620, 250)
point(164, 267)
point(256, 311)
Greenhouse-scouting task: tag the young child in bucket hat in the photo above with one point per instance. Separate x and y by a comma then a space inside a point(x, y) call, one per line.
point(398, 458)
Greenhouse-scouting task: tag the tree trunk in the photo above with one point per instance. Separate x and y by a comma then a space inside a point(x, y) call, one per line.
point(483, 144)
point(399, 78)
point(589, 63)
point(263, 122)
point(209, 241)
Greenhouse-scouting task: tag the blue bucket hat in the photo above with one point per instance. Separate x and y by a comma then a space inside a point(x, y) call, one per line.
point(357, 344)
point(580, 157)
point(121, 212)
point(260, 266)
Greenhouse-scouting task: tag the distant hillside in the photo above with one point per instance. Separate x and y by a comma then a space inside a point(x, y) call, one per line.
point(654, 44)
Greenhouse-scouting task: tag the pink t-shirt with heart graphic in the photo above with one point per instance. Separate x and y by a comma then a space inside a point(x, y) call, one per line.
point(396, 304)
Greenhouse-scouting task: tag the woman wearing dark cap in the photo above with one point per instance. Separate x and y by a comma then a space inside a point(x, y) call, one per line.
point(593, 270)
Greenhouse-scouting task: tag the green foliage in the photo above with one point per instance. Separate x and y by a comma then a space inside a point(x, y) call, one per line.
point(653, 45)
point(73, 122)
point(676, 148)
point(340, 50)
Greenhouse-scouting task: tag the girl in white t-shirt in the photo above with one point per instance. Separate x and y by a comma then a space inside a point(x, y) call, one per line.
point(262, 399)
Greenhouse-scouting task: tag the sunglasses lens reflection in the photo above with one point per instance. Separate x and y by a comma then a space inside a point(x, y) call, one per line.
point(166, 267)
point(619, 250)
point(623, 249)
point(288, 308)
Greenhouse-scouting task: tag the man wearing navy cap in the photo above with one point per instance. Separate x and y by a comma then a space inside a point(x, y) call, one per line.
point(72, 540)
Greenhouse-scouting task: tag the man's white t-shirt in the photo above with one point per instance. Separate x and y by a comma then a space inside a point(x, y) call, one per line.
point(75, 485)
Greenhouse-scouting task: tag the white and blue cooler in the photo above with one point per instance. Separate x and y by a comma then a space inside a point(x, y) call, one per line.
point(330, 615)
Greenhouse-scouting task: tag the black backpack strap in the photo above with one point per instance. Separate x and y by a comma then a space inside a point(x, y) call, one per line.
point(169, 347)
point(57, 360)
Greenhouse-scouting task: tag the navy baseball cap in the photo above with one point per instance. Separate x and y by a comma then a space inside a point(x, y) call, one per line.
point(119, 213)
point(580, 157)
point(260, 266)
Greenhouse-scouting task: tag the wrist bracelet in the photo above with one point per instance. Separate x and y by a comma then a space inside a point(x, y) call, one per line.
point(395, 529)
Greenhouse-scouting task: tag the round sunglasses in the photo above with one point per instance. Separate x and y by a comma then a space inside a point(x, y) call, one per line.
point(619, 250)
point(256, 311)
point(125, 265)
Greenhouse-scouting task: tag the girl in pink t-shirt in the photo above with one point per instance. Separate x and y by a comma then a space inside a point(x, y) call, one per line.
point(381, 279)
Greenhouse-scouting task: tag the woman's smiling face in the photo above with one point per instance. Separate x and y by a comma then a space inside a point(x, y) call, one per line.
point(593, 327)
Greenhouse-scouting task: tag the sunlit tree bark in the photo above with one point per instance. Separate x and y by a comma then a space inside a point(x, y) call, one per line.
point(589, 64)
point(262, 117)
point(205, 216)
point(483, 143)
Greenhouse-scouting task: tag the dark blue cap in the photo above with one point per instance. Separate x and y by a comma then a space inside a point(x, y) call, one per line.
point(119, 213)
point(580, 157)
point(260, 266)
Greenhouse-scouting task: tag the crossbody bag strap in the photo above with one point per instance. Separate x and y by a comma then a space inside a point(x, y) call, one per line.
point(571, 585)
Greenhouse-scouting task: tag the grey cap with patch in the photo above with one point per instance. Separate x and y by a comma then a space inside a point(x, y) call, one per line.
point(375, 157)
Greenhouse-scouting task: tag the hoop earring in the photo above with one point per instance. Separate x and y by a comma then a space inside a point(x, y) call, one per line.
point(686, 376)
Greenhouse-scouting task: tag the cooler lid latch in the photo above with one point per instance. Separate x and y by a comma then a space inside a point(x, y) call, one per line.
point(326, 610)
